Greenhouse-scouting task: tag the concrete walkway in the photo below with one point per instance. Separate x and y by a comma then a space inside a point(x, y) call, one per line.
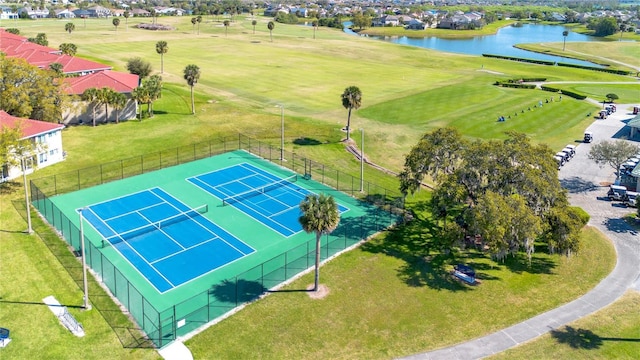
point(587, 184)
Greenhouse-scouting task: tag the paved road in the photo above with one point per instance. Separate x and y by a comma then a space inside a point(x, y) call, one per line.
point(587, 185)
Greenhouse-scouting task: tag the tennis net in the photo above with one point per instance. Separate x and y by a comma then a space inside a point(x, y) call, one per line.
point(259, 190)
point(156, 225)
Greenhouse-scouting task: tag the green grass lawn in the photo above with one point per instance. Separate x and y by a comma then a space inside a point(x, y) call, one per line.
point(386, 300)
point(611, 333)
point(389, 299)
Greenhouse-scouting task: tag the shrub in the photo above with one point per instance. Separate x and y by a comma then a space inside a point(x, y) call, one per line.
point(580, 213)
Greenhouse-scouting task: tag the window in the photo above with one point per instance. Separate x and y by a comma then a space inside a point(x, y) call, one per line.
point(43, 157)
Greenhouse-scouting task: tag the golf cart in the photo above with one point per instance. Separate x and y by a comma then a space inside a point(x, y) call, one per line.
point(636, 110)
point(571, 149)
point(631, 199)
point(560, 161)
point(617, 193)
point(588, 136)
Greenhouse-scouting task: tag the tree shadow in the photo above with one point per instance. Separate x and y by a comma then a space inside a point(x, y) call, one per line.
point(577, 185)
point(413, 242)
point(577, 338)
point(619, 226)
point(9, 187)
point(237, 292)
point(519, 263)
point(306, 141)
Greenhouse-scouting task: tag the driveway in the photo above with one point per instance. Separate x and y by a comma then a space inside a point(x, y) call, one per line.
point(587, 184)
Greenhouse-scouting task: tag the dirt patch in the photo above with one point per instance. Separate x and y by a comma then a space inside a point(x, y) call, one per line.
point(322, 292)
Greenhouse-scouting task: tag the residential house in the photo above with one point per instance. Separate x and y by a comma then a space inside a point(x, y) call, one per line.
point(140, 12)
point(47, 137)
point(99, 11)
point(6, 13)
point(34, 13)
point(65, 14)
point(416, 25)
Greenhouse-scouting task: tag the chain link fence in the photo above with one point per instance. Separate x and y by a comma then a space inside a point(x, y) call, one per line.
point(163, 325)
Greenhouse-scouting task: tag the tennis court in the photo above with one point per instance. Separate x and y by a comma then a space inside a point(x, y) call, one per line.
point(185, 244)
point(269, 199)
point(159, 236)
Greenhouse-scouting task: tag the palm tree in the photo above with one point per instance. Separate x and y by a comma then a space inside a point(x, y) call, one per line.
point(162, 48)
point(199, 20)
point(254, 23)
point(226, 26)
point(564, 34)
point(320, 215)
point(193, 22)
point(68, 49)
point(116, 23)
point(141, 96)
point(351, 99)
point(315, 27)
point(271, 25)
point(90, 96)
point(118, 101)
point(126, 15)
point(192, 74)
point(105, 97)
point(69, 27)
point(154, 89)
point(56, 67)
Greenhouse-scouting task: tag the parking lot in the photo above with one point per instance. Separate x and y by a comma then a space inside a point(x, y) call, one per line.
point(587, 182)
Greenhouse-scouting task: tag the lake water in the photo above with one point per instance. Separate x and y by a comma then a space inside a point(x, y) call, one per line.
point(500, 43)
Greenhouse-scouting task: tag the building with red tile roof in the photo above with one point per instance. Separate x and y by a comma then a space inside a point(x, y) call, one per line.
point(47, 137)
point(118, 81)
point(86, 74)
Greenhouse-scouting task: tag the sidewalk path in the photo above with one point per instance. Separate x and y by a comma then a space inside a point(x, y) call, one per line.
point(587, 185)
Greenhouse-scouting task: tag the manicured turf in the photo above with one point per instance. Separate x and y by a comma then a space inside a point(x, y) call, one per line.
point(386, 300)
point(389, 299)
point(611, 333)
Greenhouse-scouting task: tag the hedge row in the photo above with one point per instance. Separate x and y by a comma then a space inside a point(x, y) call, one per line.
point(534, 61)
point(526, 80)
point(544, 62)
point(611, 71)
point(549, 88)
point(512, 85)
point(573, 94)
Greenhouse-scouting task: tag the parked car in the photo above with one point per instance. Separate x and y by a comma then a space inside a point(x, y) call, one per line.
point(617, 192)
point(630, 199)
point(588, 136)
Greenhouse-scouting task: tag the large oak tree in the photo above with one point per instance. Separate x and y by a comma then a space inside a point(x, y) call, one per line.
point(507, 191)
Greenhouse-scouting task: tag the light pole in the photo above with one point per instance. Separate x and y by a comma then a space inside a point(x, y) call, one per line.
point(26, 193)
point(361, 160)
point(84, 263)
point(281, 131)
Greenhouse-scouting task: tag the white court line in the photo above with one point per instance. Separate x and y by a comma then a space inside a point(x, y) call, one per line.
point(161, 230)
point(134, 250)
point(210, 231)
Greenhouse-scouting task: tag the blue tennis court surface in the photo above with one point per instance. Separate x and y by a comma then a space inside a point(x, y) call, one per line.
point(168, 242)
point(269, 199)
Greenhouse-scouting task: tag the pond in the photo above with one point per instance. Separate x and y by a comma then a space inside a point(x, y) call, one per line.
point(500, 43)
